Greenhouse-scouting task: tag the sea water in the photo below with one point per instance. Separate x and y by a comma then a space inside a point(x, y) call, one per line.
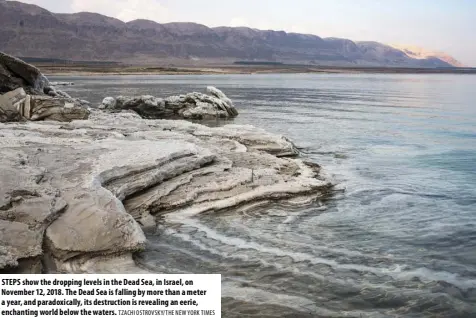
point(397, 240)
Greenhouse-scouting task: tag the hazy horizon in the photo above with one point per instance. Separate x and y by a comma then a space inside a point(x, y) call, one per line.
point(433, 25)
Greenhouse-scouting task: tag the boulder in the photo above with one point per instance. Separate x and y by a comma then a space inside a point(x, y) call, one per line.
point(27, 95)
point(59, 109)
point(146, 106)
point(15, 73)
point(108, 102)
point(228, 104)
point(11, 103)
point(16, 105)
point(190, 106)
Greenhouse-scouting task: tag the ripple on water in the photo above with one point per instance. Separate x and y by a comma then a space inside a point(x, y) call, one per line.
point(399, 242)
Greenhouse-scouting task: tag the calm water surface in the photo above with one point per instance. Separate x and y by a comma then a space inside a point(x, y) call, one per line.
point(400, 241)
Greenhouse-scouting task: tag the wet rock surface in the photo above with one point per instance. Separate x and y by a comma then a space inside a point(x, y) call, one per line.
point(76, 196)
point(93, 184)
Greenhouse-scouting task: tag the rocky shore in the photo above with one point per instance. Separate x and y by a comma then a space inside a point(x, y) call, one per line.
point(77, 193)
point(190, 106)
point(26, 94)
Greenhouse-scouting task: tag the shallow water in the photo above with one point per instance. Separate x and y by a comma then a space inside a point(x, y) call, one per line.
point(400, 241)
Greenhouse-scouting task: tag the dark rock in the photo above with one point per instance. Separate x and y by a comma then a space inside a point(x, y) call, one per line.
point(15, 73)
point(24, 98)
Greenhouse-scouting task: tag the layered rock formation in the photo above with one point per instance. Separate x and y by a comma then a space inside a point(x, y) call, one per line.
point(72, 195)
point(26, 94)
point(189, 106)
point(19, 106)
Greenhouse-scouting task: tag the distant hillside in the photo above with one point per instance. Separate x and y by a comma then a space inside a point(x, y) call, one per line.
point(28, 30)
point(420, 53)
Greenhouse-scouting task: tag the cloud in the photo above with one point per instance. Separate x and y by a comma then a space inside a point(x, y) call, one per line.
point(125, 10)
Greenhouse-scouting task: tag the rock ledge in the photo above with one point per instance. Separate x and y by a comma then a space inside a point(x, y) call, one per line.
point(190, 106)
point(74, 196)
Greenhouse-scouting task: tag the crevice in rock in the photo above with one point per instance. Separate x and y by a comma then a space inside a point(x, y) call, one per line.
point(6, 206)
point(25, 266)
point(120, 174)
point(136, 184)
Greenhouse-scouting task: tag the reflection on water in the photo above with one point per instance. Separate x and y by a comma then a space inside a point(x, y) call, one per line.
point(400, 241)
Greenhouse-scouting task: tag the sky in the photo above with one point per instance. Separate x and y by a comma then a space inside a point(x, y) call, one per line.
point(436, 25)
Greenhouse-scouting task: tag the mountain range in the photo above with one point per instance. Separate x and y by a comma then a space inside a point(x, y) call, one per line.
point(28, 30)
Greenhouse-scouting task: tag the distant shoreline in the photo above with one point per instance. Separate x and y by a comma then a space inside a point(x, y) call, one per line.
point(93, 69)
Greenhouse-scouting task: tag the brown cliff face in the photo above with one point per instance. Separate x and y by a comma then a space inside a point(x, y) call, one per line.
point(30, 31)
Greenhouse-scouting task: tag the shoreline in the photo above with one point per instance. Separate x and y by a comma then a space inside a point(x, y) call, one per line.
point(136, 171)
point(90, 70)
point(79, 186)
